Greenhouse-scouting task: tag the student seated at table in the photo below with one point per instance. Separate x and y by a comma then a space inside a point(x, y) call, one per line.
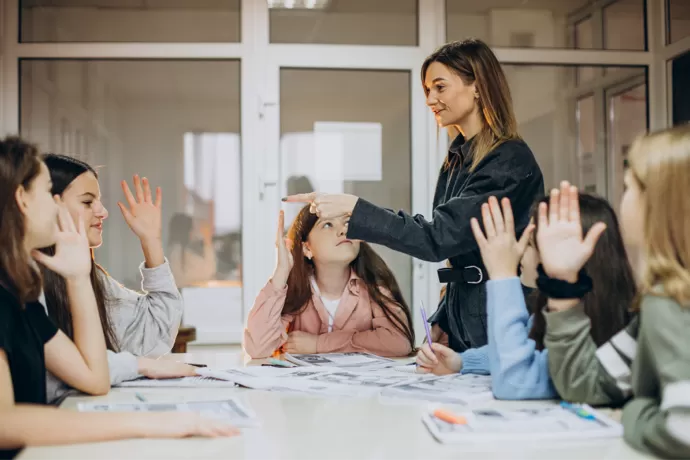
point(328, 294)
point(137, 327)
point(30, 342)
point(515, 355)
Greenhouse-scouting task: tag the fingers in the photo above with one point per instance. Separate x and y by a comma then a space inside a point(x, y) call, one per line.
point(478, 233)
point(574, 206)
point(543, 220)
point(281, 226)
point(137, 189)
point(442, 350)
point(301, 198)
point(508, 218)
point(428, 355)
point(125, 212)
point(525, 238)
point(496, 215)
point(65, 221)
point(289, 244)
point(81, 226)
point(564, 201)
point(147, 190)
point(593, 236)
point(554, 205)
point(488, 222)
point(128, 194)
point(43, 259)
point(159, 197)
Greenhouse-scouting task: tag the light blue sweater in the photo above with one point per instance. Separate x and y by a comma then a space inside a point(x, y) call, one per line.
point(517, 368)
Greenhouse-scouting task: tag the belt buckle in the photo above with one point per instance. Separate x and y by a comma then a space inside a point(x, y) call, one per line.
point(481, 275)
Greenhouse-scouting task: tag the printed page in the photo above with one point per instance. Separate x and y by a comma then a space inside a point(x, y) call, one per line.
point(343, 360)
point(450, 389)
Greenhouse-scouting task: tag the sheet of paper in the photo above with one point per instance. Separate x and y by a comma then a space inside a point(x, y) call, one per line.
point(552, 422)
point(353, 360)
point(230, 410)
point(184, 382)
point(450, 389)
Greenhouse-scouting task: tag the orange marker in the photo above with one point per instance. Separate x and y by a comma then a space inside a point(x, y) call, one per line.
point(450, 418)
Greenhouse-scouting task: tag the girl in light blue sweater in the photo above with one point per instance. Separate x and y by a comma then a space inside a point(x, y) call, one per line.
point(515, 355)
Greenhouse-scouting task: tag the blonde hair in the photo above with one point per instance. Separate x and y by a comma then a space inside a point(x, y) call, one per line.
point(474, 61)
point(660, 164)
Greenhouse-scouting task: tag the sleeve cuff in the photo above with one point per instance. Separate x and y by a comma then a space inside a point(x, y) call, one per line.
point(158, 278)
point(558, 319)
point(475, 361)
point(123, 367)
point(367, 219)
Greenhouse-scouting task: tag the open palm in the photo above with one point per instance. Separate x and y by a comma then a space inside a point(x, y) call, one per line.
point(72, 257)
point(143, 215)
point(562, 247)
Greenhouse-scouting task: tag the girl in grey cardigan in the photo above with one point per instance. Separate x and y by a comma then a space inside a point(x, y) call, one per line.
point(137, 327)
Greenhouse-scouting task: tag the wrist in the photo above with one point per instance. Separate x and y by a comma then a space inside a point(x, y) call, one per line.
point(143, 365)
point(502, 274)
point(77, 281)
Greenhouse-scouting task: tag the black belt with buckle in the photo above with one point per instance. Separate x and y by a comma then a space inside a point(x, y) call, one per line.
point(471, 274)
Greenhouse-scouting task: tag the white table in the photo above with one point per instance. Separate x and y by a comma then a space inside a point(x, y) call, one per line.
point(306, 427)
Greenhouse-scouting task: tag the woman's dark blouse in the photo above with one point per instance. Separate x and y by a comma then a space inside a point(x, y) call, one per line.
point(510, 170)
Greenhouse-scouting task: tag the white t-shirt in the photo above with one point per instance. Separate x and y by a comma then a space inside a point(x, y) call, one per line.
point(331, 305)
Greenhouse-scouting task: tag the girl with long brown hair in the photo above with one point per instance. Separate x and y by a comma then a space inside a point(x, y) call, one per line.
point(30, 343)
point(328, 293)
point(467, 90)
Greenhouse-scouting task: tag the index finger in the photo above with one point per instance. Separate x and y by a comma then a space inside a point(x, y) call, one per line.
point(128, 194)
point(301, 198)
point(281, 227)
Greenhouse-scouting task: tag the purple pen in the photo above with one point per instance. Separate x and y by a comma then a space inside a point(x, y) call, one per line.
point(426, 325)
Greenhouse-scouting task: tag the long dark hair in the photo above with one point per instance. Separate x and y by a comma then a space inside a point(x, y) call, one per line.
point(20, 163)
point(473, 61)
point(613, 292)
point(63, 171)
point(368, 266)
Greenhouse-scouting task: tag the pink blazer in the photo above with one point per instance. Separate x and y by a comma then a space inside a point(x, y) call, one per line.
point(359, 324)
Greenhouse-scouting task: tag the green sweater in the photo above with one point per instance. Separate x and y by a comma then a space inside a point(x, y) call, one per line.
point(649, 359)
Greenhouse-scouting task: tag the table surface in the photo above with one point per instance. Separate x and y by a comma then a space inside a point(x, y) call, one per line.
point(310, 427)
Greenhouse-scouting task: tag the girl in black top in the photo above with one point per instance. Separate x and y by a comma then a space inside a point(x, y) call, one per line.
point(30, 343)
point(465, 89)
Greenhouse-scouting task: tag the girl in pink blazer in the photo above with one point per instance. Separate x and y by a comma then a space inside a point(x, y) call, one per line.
point(328, 294)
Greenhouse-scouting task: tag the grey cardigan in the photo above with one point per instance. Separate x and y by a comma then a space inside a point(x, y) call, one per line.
point(144, 325)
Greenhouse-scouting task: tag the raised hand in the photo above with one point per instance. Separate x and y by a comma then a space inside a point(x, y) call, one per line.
point(143, 215)
point(285, 261)
point(325, 205)
point(562, 248)
point(72, 257)
point(501, 252)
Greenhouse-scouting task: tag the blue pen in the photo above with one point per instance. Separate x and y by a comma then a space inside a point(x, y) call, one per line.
point(426, 325)
point(577, 410)
point(140, 397)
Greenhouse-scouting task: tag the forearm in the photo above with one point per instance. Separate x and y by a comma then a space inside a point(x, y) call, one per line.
point(29, 425)
point(86, 324)
point(153, 252)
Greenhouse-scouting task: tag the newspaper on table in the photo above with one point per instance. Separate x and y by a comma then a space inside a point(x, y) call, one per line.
point(461, 389)
point(552, 422)
point(351, 360)
point(182, 382)
point(230, 410)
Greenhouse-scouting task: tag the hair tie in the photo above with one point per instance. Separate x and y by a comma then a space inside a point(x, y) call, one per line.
point(560, 289)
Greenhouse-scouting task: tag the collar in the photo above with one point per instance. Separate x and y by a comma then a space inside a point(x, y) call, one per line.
point(460, 147)
point(352, 284)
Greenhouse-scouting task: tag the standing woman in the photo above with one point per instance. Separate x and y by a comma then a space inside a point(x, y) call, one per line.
point(467, 90)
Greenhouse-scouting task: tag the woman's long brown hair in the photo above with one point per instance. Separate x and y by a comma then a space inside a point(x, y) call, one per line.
point(474, 62)
point(608, 303)
point(20, 163)
point(368, 266)
point(63, 171)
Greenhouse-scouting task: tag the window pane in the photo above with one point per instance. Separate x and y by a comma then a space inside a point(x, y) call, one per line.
point(624, 25)
point(358, 142)
point(177, 123)
point(130, 21)
point(547, 103)
point(584, 40)
point(680, 92)
point(533, 23)
point(340, 22)
point(679, 19)
point(627, 111)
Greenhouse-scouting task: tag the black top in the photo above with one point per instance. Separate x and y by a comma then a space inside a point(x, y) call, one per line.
point(510, 170)
point(23, 332)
